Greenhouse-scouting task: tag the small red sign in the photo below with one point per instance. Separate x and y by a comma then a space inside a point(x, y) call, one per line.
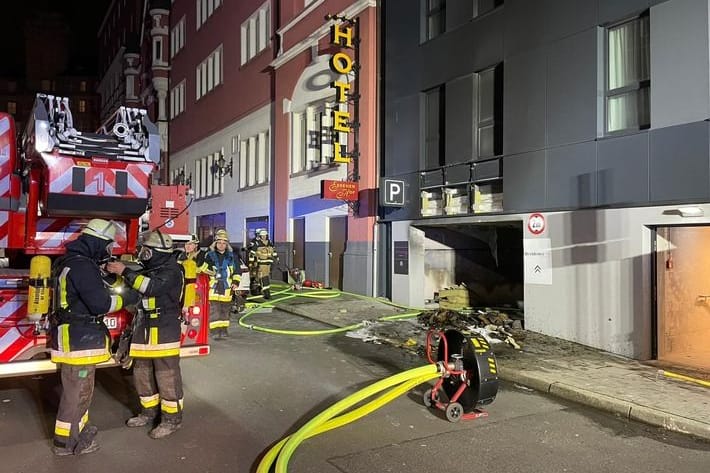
point(536, 223)
point(339, 190)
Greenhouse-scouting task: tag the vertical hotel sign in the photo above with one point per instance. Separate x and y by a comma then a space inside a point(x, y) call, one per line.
point(345, 33)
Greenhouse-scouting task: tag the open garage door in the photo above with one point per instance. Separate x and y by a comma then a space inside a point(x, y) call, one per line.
point(486, 258)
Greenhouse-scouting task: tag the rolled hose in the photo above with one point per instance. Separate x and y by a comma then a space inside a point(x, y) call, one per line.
point(330, 419)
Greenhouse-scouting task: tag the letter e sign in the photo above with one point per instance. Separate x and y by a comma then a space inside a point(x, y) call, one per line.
point(536, 223)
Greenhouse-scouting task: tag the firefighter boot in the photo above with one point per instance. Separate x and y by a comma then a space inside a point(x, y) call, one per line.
point(164, 429)
point(144, 418)
point(267, 293)
point(82, 447)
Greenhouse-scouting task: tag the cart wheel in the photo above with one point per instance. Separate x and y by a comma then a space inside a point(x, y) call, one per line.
point(427, 398)
point(454, 411)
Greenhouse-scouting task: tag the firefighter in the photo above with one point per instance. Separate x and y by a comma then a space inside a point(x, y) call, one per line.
point(262, 255)
point(155, 346)
point(79, 337)
point(192, 251)
point(222, 265)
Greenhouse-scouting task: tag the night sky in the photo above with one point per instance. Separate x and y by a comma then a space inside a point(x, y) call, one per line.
point(83, 16)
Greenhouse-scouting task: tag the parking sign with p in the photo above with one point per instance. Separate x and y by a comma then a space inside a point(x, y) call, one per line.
point(392, 193)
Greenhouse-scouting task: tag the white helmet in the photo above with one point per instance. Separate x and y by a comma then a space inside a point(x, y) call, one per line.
point(100, 228)
point(157, 241)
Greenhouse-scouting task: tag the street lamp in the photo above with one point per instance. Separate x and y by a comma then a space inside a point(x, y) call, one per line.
point(221, 167)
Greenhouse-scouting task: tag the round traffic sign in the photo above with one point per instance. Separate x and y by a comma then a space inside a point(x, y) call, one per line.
point(536, 223)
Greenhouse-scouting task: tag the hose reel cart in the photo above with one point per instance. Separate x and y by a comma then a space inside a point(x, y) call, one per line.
point(469, 374)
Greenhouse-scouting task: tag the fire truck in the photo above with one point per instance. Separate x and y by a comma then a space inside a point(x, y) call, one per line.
point(51, 185)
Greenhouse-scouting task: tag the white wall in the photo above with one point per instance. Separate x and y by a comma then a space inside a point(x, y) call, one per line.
point(600, 294)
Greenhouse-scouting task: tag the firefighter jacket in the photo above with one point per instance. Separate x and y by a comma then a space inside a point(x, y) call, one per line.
point(223, 269)
point(198, 256)
point(81, 299)
point(261, 252)
point(157, 329)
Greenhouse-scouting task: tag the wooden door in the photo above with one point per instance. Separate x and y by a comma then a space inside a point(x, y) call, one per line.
point(683, 278)
point(336, 250)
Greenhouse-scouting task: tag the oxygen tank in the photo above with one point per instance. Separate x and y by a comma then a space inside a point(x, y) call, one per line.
point(38, 295)
point(190, 287)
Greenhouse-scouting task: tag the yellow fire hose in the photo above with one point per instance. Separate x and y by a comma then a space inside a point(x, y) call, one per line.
point(315, 294)
point(330, 418)
point(682, 377)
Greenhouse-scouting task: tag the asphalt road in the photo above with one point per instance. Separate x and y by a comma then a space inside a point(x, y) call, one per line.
point(255, 388)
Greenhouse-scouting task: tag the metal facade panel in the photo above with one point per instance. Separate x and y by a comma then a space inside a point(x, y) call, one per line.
point(622, 170)
point(524, 102)
point(679, 168)
point(571, 176)
point(524, 181)
point(402, 136)
point(571, 109)
point(615, 10)
point(524, 25)
point(459, 120)
point(567, 17)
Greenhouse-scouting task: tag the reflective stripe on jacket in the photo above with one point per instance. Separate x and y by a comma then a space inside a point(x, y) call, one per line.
point(81, 297)
point(157, 332)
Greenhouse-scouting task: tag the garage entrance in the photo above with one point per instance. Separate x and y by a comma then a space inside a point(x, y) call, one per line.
point(487, 258)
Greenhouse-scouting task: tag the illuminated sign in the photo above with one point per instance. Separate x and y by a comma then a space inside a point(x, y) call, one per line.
point(339, 190)
point(344, 33)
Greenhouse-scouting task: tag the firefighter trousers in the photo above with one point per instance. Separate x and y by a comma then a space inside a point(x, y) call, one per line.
point(219, 318)
point(71, 429)
point(158, 382)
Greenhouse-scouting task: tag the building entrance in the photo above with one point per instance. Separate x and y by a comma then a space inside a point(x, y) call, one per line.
point(683, 303)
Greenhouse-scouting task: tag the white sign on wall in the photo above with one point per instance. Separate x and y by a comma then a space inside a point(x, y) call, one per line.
point(537, 257)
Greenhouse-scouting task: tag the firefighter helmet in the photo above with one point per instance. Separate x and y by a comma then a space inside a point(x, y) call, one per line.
point(158, 241)
point(262, 232)
point(221, 235)
point(194, 239)
point(100, 228)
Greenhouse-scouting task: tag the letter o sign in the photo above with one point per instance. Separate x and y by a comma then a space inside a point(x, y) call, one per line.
point(536, 223)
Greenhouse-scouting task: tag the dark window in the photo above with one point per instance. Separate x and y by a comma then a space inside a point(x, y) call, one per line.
point(435, 18)
point(434, 110)
point(628, 75)
point(489, 112)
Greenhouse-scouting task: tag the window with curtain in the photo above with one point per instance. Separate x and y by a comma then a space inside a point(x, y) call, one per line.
point(628, 75)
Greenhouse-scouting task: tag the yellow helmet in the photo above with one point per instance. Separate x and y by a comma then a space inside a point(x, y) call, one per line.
point(221, 235)
point(194, 239)
point(100, 228)
point(158, 241)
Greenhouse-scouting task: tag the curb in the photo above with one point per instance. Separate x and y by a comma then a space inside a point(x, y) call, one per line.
point(627, 410)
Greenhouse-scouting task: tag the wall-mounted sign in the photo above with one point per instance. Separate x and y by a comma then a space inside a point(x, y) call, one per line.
point(345, 33)
point(391, 193)
point(339, 190)
point(537, 259)
point(536, 223)
point(401, 257)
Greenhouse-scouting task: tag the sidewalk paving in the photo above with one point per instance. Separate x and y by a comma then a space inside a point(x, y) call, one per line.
point(623, 386)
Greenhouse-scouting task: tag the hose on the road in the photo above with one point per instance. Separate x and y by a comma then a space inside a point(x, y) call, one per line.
point(317, 294)
point(332, 418)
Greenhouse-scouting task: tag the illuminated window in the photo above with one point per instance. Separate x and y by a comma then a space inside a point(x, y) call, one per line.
point(628, 75)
